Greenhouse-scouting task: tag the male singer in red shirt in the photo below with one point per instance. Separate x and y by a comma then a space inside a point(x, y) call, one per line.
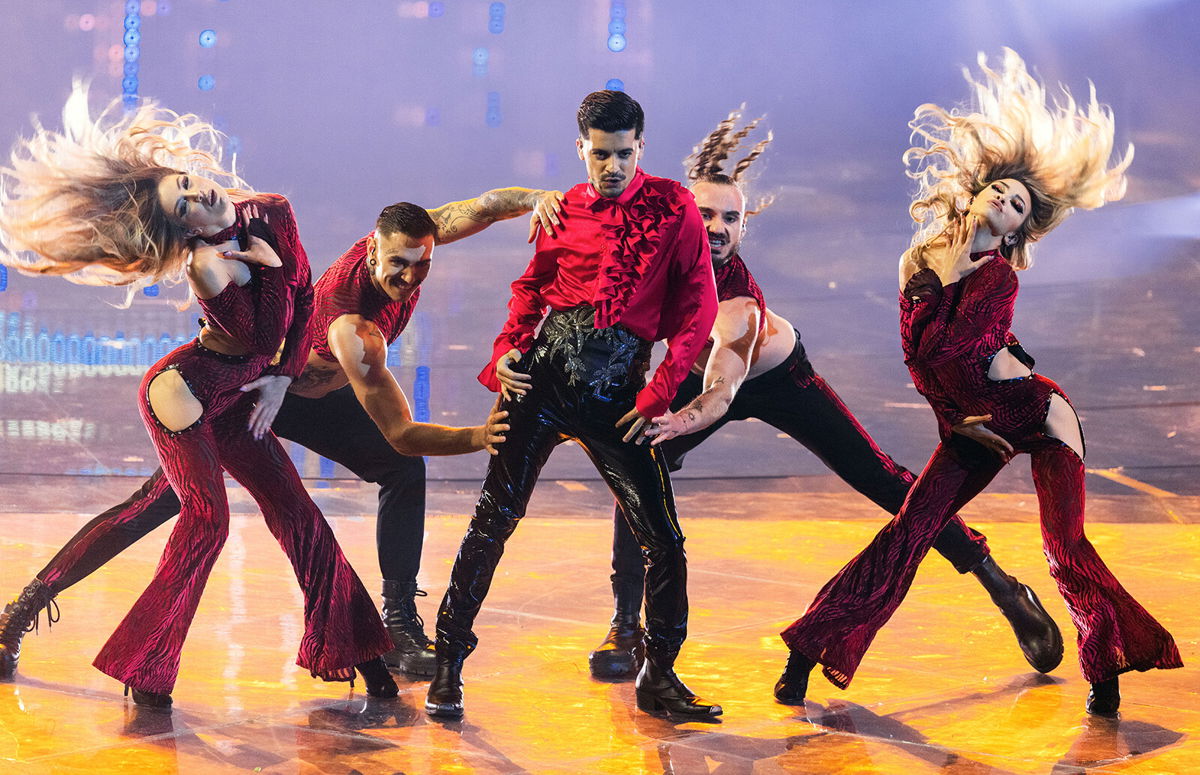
point(630, 266)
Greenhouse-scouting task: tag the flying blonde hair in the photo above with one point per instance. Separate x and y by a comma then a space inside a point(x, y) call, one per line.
point(83, 202)
point(1058, 148)
point(706, 163)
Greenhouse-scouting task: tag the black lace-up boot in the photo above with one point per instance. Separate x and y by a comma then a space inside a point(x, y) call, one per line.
point(413, 653)
point(19, 617)
point(793, 684)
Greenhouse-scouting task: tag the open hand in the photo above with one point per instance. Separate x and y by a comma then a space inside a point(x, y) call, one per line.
point(512, 383)
point(664, 428)
point(547, 213)
point(259, 253)
point(493, 431)
point(973, 428)
point(272, 390)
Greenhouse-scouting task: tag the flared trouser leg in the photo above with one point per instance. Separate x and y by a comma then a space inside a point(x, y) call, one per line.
point(144, 649)
point(1116, 633)
point(342, 627)
point(843, 620)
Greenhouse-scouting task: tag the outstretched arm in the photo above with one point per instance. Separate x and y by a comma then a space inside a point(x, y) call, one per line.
point(455, 220)
point(361, 351)
point(734, 336)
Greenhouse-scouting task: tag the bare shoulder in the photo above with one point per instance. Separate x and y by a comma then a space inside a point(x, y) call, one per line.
point(356, 333)
point(209, 273)
point(736, 317)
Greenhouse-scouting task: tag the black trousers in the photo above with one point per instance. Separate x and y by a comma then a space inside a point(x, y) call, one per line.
point(794, 399)
point(335, 426)
point(584, 380)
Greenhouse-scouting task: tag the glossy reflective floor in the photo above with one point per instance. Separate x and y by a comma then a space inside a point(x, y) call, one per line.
point(943, 690)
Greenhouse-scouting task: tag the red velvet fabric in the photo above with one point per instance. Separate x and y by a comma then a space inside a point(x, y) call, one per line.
point(269, 315)
point(342, 626)
point(949, 336)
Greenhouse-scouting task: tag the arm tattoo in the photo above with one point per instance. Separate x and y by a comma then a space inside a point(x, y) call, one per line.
point(316, 377)
point(450, 219)
point(501, 203)
point(697, 404)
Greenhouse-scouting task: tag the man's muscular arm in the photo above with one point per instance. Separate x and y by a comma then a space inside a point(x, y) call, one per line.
point(362, 352)
point(455, 220)
point(734, 336)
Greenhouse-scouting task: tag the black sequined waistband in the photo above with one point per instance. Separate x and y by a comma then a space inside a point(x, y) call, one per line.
point(598, 357)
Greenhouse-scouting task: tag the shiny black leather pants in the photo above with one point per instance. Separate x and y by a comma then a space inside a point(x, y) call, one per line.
point(583, 382)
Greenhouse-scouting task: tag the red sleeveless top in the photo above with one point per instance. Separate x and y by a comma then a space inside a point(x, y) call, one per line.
point(346, 289)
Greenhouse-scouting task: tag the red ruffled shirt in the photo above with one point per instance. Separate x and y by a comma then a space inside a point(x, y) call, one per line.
point(641, 259)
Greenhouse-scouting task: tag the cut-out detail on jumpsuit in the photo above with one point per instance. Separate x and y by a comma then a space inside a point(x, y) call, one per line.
point(342, 626)
point(335, 426)
point(947, 335)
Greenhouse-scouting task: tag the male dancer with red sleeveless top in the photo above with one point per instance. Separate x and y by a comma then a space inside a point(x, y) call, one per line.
point(345, 406)
point(755, 366)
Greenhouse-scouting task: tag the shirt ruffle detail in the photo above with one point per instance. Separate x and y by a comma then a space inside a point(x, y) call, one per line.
point(631, 244)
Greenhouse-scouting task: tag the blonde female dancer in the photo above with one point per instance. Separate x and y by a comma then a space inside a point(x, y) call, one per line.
point(120, 199)
point(993, 180)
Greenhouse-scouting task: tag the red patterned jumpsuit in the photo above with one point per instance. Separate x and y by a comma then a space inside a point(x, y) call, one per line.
point(341, 625)
point(950, 336)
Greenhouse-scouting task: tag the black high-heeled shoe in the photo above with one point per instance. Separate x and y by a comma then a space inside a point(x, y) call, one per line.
point(1104, 698)
point(659, 690)
point(377, 678)
point(792, 686)
point(149, 699)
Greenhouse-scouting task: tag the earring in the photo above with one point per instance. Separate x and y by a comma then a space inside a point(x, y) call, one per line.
point(371, 262)
point(1010, 239)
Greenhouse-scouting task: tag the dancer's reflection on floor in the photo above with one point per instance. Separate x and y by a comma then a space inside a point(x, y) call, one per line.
point(1105, 740)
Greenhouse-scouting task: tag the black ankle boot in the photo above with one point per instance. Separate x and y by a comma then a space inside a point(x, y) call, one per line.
point(1037, 634)
point(621, 653)
point(1104, 698)
point(660, 691)
point(377, 678)
point(413, 653)
point(792, 686)
point(19, 617)
point(143, 699)
point(445, 698)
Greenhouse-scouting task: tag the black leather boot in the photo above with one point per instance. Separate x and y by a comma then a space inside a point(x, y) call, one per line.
point(621, 653)
point(445, 698)
point(1037, 634)
point(1104, 698)
point(792, 686)
point(660, 691)
point(158, 700)
point(19, 617)
point(377, 678)
point(413, 653)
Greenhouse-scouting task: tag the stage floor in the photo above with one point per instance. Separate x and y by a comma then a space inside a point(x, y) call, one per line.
point(944, 688)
